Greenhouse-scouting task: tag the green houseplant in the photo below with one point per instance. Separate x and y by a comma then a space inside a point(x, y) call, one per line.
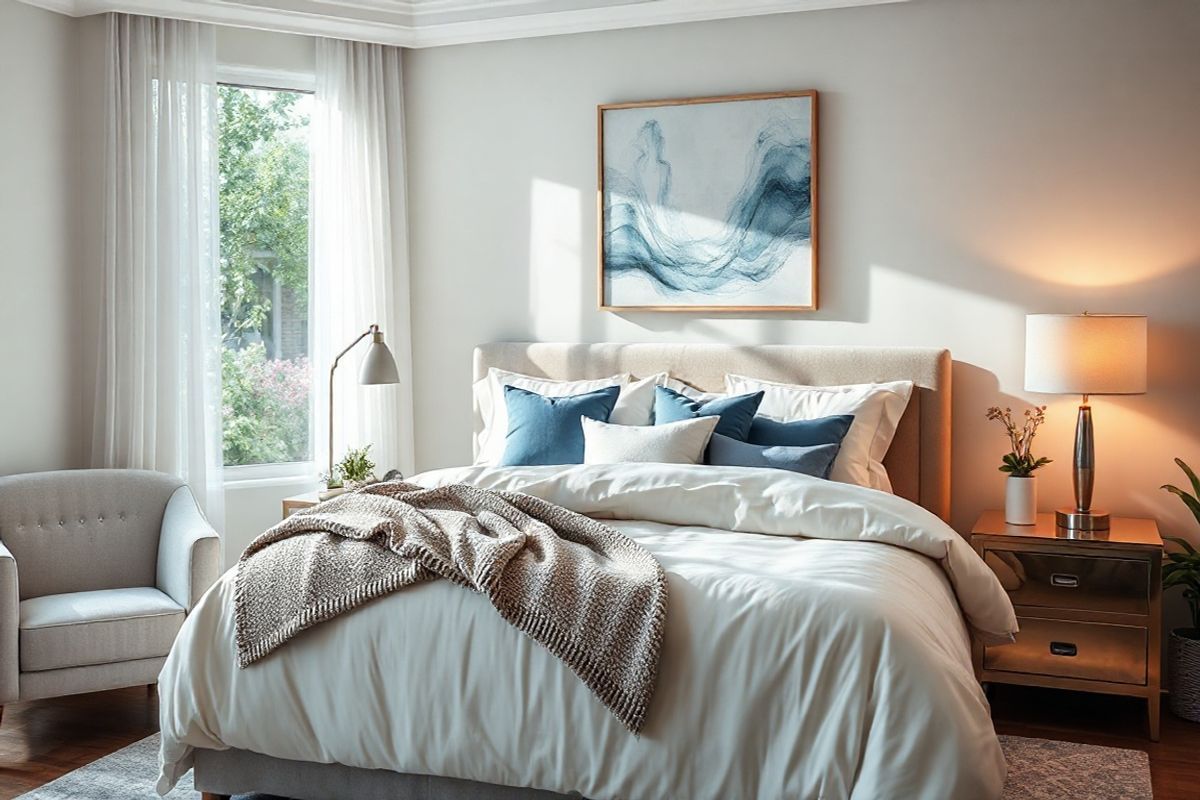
point(1182, 569)
point(356, 469)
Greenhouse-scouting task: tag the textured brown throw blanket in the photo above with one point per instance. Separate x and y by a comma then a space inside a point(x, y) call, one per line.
point(589, 594)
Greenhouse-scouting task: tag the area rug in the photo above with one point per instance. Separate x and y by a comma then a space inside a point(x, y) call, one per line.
point(1041, 769)
point(1038, 769)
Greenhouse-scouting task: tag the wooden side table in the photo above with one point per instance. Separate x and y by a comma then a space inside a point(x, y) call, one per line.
point(1089, 606)
point(296, 502)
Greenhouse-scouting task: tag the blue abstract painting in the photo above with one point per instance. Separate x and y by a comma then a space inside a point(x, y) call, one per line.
point(709, 203)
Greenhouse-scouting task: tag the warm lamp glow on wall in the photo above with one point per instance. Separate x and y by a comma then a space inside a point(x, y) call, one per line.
point(1085, 354)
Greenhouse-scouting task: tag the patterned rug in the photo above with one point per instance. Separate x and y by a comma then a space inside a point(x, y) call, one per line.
point(1041, 769)
point(1038, 769)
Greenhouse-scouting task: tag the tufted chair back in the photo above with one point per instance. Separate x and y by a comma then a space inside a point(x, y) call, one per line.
point(79, 530)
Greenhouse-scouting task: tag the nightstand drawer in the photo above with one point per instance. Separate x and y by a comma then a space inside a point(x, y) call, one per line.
point(1091, 583)
point(1088, 650)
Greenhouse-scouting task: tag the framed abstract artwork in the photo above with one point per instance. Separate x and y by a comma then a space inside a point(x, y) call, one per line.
point(709, 203)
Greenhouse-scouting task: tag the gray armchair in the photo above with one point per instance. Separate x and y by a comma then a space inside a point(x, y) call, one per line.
point(98, 569)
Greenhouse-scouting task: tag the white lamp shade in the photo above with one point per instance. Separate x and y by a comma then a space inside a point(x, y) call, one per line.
point(378, 365)
point(1085, 353)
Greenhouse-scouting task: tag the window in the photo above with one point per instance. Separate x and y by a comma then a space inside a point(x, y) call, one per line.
point(263, 180)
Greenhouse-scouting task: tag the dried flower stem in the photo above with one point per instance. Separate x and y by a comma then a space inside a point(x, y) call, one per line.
point(1020, 462)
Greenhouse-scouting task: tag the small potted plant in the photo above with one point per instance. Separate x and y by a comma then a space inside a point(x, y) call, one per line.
point(1182, 568)
point(1020, 491)
point(356, 469)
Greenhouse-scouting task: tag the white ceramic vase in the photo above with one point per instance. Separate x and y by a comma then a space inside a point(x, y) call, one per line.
point(1020, 501)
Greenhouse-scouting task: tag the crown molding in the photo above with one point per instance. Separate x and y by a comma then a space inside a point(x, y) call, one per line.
point(61, 6)
point(399, 22)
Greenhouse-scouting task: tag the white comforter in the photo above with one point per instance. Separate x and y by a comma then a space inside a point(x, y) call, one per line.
point(831, 666)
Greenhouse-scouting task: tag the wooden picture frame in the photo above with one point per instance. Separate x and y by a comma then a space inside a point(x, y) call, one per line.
point(781, 134)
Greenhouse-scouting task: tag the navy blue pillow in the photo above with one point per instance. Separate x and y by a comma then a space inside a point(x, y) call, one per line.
point(801, 433)
point(736, 413)
point(547, 430)
point(816, 460)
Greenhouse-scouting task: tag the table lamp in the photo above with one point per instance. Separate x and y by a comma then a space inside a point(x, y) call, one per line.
point(1085, 354)
point(378, 367)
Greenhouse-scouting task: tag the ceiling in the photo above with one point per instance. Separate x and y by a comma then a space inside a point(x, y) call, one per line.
point(429, 23)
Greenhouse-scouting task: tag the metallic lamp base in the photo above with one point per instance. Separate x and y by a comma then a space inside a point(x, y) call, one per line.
point(1075, 520)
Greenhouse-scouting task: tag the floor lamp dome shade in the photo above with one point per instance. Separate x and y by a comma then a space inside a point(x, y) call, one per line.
point(378, 365)
point(1085, 354)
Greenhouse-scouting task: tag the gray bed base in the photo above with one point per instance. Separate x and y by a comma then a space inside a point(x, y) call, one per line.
point(232, 772)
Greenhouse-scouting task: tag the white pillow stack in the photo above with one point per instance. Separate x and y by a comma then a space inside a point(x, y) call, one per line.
point(877, 409)
point(672, 443)
point(635, 406)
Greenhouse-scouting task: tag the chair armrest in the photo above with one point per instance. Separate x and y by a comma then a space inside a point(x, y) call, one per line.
point(189, 551)
point(10, 621)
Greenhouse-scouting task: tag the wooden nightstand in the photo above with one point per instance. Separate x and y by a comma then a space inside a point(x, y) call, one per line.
point(1090, 609)
point(296, 502)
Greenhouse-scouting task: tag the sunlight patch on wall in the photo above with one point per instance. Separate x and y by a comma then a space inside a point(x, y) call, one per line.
point(556, 267)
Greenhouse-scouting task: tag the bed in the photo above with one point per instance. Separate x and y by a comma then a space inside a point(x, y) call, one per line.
point(833, 665)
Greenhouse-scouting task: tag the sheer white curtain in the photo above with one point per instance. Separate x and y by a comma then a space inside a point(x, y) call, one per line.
point(359, 248)
point(158, 388)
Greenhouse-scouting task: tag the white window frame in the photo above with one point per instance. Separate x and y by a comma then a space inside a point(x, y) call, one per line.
point(280, 80)
point(246, 76)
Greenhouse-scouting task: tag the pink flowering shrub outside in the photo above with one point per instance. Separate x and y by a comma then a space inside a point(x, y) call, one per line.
point(265, 407)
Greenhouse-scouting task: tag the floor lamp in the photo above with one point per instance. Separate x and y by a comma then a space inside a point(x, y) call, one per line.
point(378, 368)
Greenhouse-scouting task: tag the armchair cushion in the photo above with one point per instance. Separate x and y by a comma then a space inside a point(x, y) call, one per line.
point(98, 627)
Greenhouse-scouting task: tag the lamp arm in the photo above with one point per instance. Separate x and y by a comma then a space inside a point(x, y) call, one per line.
point(332, 369)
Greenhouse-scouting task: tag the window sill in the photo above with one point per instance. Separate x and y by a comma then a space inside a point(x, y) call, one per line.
point(261, 475)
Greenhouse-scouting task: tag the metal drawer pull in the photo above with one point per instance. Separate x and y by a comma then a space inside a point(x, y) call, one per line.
point(1064, 580)
point(1063, 649)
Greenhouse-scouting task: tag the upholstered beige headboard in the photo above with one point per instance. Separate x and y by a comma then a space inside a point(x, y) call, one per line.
point(918, 463)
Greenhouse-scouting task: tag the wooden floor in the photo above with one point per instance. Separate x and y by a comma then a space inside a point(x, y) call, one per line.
point(40, 741)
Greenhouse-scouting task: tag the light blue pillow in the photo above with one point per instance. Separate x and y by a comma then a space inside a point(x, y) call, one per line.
point(736, 413)
point(800, 433)
point(816, 460)
point(547, 430)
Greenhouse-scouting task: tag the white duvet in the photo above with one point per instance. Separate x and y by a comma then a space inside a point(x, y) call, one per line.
point(830, 666)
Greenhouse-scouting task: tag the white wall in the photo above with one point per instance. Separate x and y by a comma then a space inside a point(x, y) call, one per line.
point(979, 160)
point(40, 424)
point(266, 50)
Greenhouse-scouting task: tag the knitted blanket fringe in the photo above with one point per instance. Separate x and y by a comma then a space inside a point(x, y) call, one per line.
point(586, 592)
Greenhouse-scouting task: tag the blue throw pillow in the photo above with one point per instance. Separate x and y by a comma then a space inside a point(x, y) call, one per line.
point(736, 413)
point(816, 460)
point(801, 433)
point(547, 430)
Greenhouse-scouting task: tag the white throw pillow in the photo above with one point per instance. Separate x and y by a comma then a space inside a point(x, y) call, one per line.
point(691, 392)
point(672, 443)
point(635, 406)
point(877, 409)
